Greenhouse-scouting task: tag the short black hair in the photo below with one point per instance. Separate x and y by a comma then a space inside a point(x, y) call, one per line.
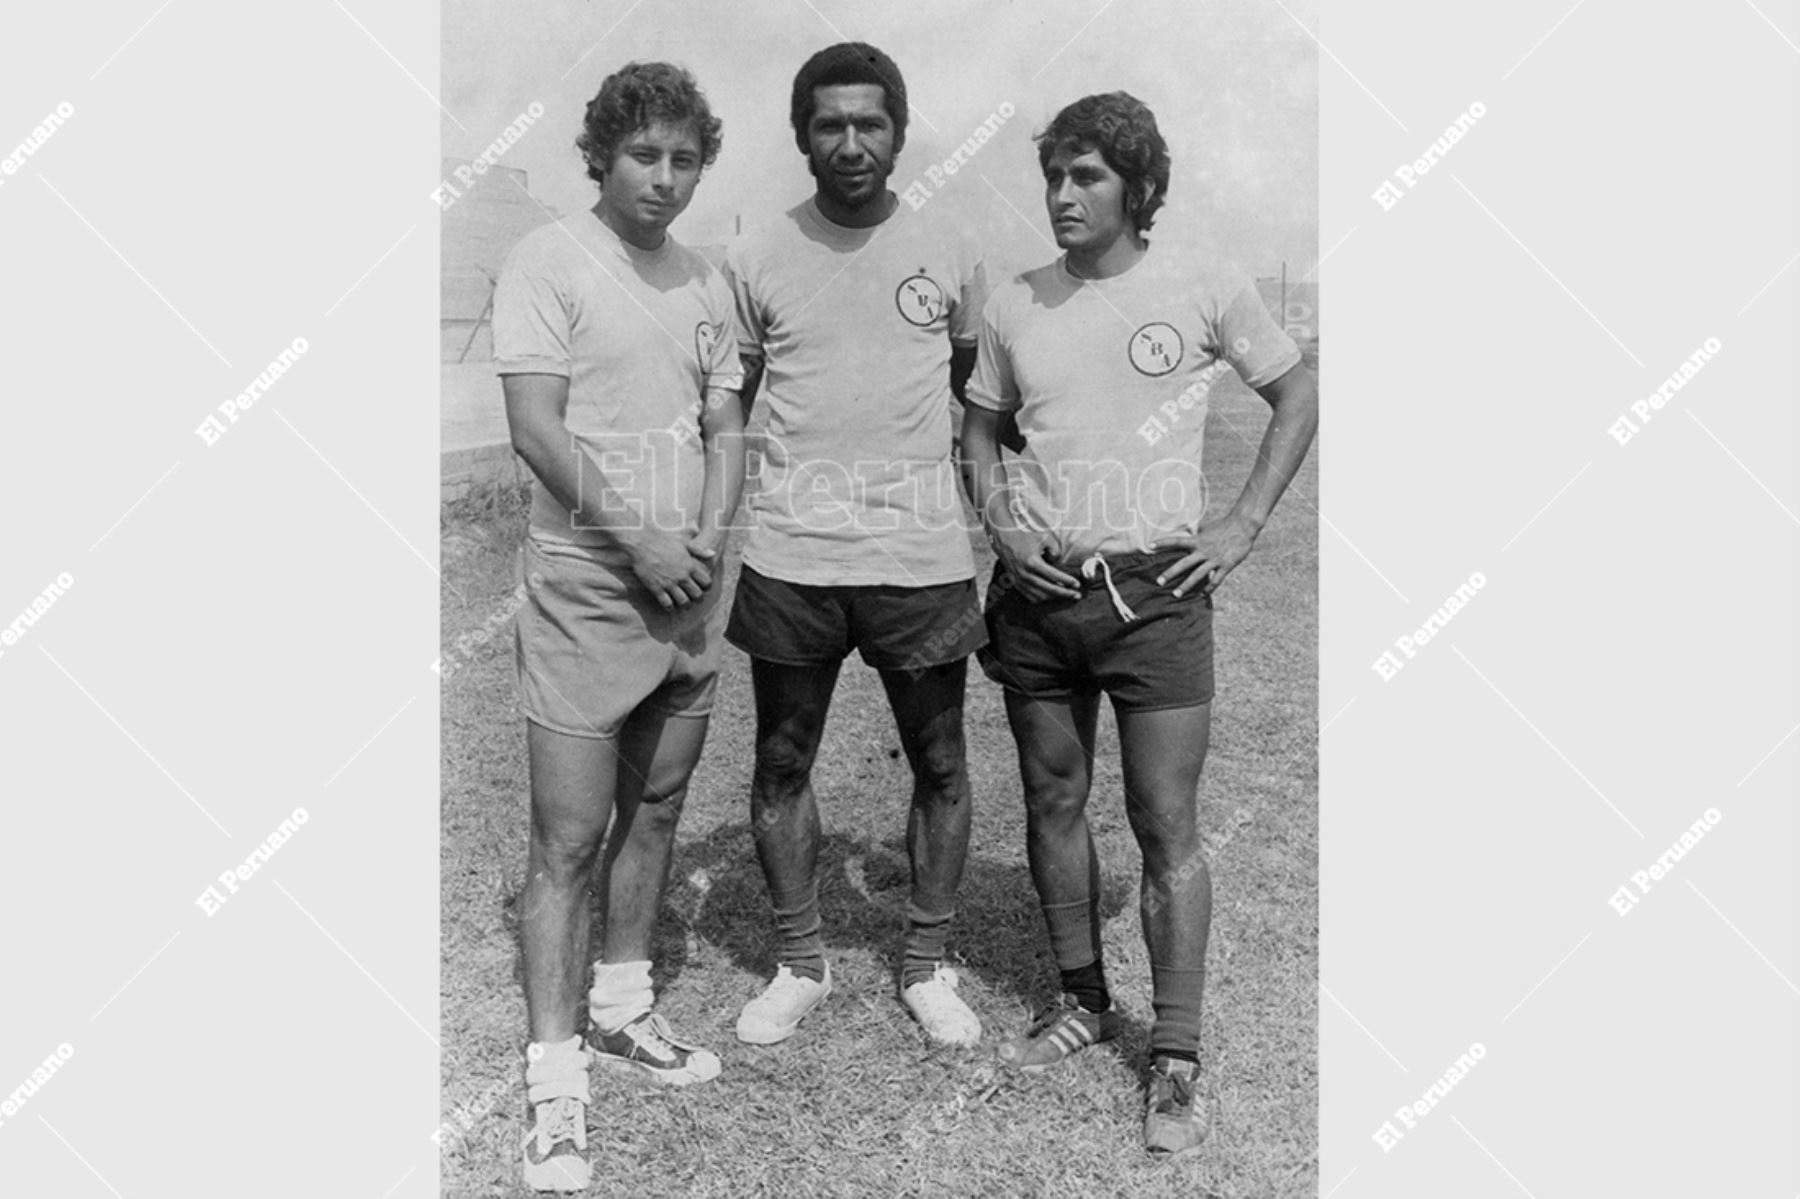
point(1123, 129)
point(848, 63)
point(636, 96)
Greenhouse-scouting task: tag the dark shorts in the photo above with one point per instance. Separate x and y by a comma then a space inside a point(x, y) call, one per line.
point(1062, 648)
point(895, 628)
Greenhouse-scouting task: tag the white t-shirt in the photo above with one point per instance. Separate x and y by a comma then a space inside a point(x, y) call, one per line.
point(640, 335)
point(855, 328)
point(1109, 379)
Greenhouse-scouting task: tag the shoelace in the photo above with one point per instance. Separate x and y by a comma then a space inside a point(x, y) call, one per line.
point(1052, 1016)
point(651, 1035)
point(1181, 1092)
point(566, 1120)
point(1119, 604)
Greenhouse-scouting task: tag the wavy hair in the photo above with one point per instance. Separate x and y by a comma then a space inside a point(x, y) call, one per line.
point(636, 96)
point(1123, 129)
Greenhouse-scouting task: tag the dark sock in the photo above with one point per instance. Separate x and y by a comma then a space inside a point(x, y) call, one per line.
point(797, 923)
point(1175, 994)
point(1074, 931)
point(1088, 985)
point(927, 933)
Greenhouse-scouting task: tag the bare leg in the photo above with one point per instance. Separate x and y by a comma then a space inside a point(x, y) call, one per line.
point(572, 783)
point(657, 754)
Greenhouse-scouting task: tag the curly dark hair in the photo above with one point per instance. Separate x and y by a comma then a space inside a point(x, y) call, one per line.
point(847, 63)
point(636, 96)
point(1123, 129)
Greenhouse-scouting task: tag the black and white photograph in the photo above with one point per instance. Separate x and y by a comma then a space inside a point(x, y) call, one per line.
point(838, 408)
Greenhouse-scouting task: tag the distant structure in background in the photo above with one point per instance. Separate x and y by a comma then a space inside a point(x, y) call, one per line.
point(1295, 305)
point(477, 231)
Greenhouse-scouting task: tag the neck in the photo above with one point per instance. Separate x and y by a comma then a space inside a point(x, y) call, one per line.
point(631, 234)
point(877, 210)
point(1114, 259)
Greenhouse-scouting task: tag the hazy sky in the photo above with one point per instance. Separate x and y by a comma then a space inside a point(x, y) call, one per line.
point(1234, 86)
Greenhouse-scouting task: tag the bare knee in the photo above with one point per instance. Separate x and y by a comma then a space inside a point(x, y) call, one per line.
point(783, 767)
point(939, 764)
point(1056, 790)
point(564, 856)
point(1168, 832)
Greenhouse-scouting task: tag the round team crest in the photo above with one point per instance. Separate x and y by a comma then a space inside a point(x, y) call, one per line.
point(1155, 349)
point(706, 337)
point(920, 300)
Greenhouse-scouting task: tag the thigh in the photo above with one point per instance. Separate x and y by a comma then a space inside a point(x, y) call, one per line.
point(657, 753)
point(791, 703)
point(1162, 752)
point(572, 785)
point(1055, 738)
point(928, 711)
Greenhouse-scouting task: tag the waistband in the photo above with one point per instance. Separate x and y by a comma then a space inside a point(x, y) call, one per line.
point(1131, 563)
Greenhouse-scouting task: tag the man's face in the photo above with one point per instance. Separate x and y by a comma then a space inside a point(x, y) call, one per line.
point(652, 178)
point(1085, 199)
point(851, 143)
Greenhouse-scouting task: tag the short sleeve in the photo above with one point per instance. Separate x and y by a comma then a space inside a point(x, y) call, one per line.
point(721, 366)
point(748, 316)
point(1257, 348)
point(971, 300)
point(532, 317)
point(993, 386)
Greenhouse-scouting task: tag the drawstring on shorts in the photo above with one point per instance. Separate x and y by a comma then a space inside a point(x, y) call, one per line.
point(1119, 604)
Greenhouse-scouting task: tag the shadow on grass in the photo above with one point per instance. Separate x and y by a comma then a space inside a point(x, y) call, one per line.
point(998, 935)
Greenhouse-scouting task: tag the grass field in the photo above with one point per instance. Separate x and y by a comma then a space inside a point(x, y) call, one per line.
point(858, 1103)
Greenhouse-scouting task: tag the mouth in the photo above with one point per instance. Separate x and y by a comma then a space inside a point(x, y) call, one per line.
point(1066, 222)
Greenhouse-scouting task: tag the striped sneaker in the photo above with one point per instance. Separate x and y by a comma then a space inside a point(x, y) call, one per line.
point(1174, 1112)
point(1063, 1028)
point(650, 1046)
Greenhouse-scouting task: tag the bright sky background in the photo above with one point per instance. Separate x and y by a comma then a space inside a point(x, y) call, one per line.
point(1234, 85)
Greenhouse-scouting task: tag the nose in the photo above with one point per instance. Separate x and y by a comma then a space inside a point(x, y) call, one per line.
point(662, 177)
point(1063, 194)
point(853, 147)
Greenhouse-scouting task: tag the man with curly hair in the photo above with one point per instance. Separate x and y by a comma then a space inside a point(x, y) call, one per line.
point(1107, 562)
point(860, 314)
point(620, 372)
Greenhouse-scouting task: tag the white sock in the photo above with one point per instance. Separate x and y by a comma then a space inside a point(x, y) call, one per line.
point(620, 994)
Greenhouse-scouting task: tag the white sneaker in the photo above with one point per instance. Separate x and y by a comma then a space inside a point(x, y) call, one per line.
point(943, 1015)
point(772, 1016)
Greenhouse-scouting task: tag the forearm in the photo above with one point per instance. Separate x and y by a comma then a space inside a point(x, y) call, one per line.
point(1292, 425)
point(722, 431)
point(983, 473)
point(575, 481)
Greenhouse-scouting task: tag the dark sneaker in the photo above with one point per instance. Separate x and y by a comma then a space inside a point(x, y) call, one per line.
point(1063, 1028)
point(649, 1046)
point(1174, 1112)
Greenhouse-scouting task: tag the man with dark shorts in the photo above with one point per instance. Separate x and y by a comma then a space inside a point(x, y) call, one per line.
point(614, 346)
point(1106, 568)
point(862, 317)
